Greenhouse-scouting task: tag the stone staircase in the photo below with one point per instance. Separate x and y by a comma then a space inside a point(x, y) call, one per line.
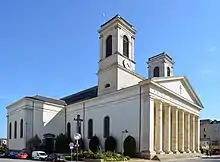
point(174, 157)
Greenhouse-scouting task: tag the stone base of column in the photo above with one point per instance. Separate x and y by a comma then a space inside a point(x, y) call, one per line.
point(188, 151)
point(176, 152)
point(182, 152)
point(147, 154)
point(198, 151)
point(193, 151)
point(168, 152)
point(160, 152)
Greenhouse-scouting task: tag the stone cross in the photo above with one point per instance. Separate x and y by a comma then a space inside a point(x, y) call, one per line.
point(78, 123)
point(180, 89)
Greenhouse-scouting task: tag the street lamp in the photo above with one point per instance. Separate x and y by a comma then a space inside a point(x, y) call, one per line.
point(122, 138)
point(77, 137)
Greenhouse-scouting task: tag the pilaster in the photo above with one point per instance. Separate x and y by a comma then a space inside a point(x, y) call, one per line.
point(147, 124)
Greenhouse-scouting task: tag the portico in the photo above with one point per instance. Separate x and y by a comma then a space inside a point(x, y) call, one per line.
point(174, 119)
point(175, 129)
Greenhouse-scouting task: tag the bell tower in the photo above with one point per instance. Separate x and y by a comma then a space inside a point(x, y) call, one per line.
point(160, 65)
point(116, 62)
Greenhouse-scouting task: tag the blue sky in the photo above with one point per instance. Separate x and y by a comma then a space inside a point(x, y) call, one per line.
point(52, 47)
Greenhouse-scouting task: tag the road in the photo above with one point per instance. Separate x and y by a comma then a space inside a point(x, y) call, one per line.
point(14, 160)
point(203, 159)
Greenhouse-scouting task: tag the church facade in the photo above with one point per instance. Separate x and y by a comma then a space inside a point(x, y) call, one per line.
point(161, 112)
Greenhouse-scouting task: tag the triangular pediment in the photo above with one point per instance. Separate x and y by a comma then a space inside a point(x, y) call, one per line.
point(180, 86)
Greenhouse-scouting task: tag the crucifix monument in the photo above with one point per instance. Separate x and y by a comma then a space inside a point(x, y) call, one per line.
point(78, 123)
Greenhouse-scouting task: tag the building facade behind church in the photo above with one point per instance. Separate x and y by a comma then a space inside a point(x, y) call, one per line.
point(153, 110)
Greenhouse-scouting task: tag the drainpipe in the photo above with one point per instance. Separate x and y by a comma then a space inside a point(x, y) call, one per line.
point(139, 144)
point(8, 131)
point(33, 107)
point(65, 118)
point(84, 117)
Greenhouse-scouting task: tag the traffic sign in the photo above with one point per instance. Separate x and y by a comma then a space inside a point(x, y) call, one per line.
point(71, 145)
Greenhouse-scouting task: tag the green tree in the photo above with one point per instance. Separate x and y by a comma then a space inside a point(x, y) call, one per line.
point(62, 143)
point(33, 143)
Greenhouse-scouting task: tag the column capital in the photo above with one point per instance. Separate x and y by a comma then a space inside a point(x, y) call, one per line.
point(151, 98)
point(167, 104)
point(175, 109)
point(157, 101)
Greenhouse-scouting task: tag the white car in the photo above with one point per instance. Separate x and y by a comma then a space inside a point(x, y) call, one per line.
point(38, 155)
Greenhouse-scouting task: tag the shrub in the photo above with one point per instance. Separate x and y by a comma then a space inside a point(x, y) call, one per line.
point(129, 146)
point(110, 144)
point(81, 145)
point(106, 156)
point(112, 156)
point(33, 143)
point(94, 144)
point(62, 143)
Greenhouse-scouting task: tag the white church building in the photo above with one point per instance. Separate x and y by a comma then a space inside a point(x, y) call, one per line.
point(161, 112)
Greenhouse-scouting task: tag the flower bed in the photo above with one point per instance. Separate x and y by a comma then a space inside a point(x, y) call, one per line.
point(89, 156)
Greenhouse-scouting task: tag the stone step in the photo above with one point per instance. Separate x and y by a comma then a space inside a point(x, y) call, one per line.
point(169, 157)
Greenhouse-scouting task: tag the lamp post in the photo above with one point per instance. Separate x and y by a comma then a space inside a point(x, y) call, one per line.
point(122, 138)
point(77, 137)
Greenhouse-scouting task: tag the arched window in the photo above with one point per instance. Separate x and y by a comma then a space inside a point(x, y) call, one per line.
point(106, 127)
point(125, 46)
point(15, 130)
point(168, 71)
point(21, 128)
point(10, 131)
point(90, 128)
point(109, 46)
point(156, 71)
point(68, 130)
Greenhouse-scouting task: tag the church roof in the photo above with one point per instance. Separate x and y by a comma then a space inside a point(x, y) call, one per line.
point(82, 95)
point(71, 99)
point(117, 17)
point(47, 99)
point(161, 55)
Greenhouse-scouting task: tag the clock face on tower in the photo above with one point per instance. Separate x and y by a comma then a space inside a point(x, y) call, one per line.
point(127, 64)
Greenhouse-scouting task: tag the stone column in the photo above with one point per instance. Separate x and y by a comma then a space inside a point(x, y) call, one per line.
point(159, 129)
point(175, 130)
point(192, 133)
point(181, 132)
point(167, 129)
point(197, 134)
point(187, 132)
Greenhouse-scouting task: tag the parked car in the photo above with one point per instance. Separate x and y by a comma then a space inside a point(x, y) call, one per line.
point(2, 154)
point(13, 154)
point(56, 158)
point(39, 155)
point(22, 155)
